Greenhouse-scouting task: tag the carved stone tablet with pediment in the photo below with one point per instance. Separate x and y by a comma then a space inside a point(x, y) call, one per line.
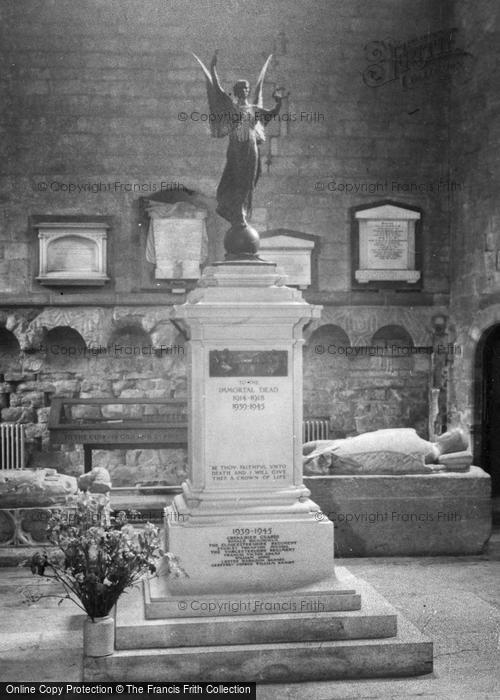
point(292, 253)
point(386, 238)
point(72, 253)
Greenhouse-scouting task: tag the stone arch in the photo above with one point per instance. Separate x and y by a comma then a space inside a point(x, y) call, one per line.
point(10, 350)
point(484, 319)
point(326, 321)
point(361, 323)
point(155, 322)
point(64, 347)
point(18, 324)
point(462, 374)
point(129, 331)
point(65, 333)
point(330, 332)
point(325, 367)
point(485, 402)
point(466, 374)
point(392, 334)
point(90, 323)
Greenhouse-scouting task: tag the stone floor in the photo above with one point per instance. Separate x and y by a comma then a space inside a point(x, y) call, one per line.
point(454, 600)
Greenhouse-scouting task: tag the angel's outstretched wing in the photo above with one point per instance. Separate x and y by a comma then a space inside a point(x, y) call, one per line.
point(258, 100)
point(220, 105)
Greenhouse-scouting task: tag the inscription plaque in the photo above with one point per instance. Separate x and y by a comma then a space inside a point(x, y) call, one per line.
point(177, 239)
point(178, 245)
point(253, 546)
point(386, 244)
point(291, 250)
point(72, 253)
point(251, 404)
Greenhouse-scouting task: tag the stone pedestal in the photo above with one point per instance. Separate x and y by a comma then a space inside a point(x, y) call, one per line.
point(261, 600)
point(244, 521)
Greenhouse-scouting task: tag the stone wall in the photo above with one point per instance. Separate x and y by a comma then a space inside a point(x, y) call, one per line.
point(98, 93)
point(116, 358)
point(104, 105)
point(475, 222)
point(375, 369)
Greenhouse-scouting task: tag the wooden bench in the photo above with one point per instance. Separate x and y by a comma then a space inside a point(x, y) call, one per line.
point(167, 429)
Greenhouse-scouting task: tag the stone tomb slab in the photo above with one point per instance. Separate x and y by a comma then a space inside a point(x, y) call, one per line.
point(407, 515)
point(281, 647)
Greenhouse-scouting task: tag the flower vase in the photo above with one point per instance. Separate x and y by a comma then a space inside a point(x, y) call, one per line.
point(99, 636)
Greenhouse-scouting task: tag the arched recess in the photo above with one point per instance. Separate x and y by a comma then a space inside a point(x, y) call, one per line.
point(139, 366)
point(129, 343)
point(64, 348)
point(486, 405)
point(361, 323)
point(392, 335)
point(466, 376)
point(90, 323)
point(9, 352)
point(326, 365)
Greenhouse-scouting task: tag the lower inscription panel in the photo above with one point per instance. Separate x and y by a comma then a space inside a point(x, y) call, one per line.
point(257, 546)
point(261, 554)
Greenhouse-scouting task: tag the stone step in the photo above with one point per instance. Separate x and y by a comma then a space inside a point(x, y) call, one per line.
point(281, 647)
point(376, 619)
point(330, 595)
point(407, 654)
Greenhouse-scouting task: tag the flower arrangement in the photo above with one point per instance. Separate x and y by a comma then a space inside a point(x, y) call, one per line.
point(98, 556)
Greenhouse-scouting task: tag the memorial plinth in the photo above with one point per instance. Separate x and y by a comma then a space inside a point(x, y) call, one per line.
point(245, 521)
point(261, 600)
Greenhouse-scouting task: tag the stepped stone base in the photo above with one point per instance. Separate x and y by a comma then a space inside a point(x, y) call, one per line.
point(368, 642)
point(325, 596)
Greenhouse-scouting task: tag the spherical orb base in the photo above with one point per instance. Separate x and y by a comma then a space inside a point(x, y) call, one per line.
point(241, 242)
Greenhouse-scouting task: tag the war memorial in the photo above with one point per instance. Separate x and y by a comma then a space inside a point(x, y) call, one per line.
point(250, 329)
point(260, 597)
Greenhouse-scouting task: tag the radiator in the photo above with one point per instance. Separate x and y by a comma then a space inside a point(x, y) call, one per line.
point(11, 446)
point(315, 429)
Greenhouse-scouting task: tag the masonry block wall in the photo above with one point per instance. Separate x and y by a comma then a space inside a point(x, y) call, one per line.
point(475, 134)
point(102, 107)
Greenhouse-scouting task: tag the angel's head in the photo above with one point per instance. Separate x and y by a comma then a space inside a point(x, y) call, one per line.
point(241, 89)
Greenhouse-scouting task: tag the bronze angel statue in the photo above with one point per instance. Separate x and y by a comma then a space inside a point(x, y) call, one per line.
point(244, 123)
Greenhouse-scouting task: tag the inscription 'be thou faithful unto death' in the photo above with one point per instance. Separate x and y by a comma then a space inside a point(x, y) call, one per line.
point(253, 546)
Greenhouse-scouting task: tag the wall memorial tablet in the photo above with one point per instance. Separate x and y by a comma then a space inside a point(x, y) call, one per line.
point(72, 253)
point(176, 240)
point(386, 245)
